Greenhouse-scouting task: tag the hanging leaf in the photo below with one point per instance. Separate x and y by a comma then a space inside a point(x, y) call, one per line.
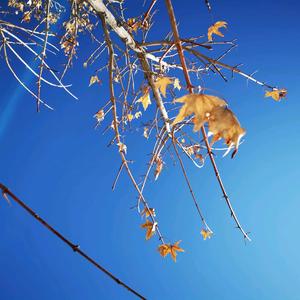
point(224, 124)
point(147, 212)
point(122, 147)
point(94, 79)
point(145, 99)
point(150, 227)
point(159, 166)
point(99, 116)
point(206, 234)
point(161, 83)
point(276, 94)
point(145, 133)
point(176, 84)
point(200, 105)
point(165, 249)
point(214, 29)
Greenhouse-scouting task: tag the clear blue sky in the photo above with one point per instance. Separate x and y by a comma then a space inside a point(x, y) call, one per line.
point(59, 165)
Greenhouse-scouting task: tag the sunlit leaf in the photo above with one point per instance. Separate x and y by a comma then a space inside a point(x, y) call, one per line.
point(214, 29)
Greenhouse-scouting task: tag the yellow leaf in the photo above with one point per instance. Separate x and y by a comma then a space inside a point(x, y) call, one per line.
point(94, 79)
point(200, 105)
point(145, 100)
point(224, 124)
point(214, 29)
point(150, 227)
point(165, 249)
point(147, 212)
point(161, 83)
point(130, 117)
point(206, 234)
point(276, 94)
point(176, 84)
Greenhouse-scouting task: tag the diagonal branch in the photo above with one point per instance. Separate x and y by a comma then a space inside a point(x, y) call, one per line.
point(74, 247)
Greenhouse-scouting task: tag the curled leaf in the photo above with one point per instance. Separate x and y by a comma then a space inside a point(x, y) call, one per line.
point(150, 227)
point(276, 94)
point(214, 29)
point(147, 212)
point(159, 166)
point(176, 84)
point(224, 124)
point(122, 147)
point(206, 234)
point(99, 116)
point(146, 132)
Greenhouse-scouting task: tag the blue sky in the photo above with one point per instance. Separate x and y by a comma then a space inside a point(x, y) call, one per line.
point(60, 166)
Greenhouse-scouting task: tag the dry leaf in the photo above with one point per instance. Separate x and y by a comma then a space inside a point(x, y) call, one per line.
point(150, 226)
point(176, 84)
point(224, 124)
point(93, 80)
point(159, 166)
point(130, 117)
point(206, 234)
point(165, 249)
point(199, 104)
point(145, 99)
point(147, 212)
point(214, 29)
point(161, 83)
point(276, 94)
point(99, 115)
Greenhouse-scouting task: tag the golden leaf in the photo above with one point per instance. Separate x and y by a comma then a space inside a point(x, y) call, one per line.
point(27, 16)
point(214, 29)
point(130, 117)
point(224, 124)
point(161, 83)
point(93, 80)
point(147, 212)
point(176, 84)
point(206, 234)
point(165, 249)
point(150, 226)
point(200, 105)
point(276, 94)
point(145, 99)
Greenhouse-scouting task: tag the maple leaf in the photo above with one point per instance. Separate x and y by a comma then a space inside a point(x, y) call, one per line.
point(161, 83)
point(200, 105)
point(150, 226)
point(145, 99)
point(214, 29)
point(148, 212)
point(94, 79)
point(206, 234)
point(276, 94)
point(223, 124)
point(166, 249)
